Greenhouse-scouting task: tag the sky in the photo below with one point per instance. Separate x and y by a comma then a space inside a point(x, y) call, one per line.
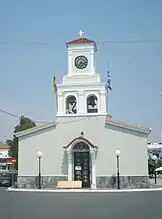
point(32, 46)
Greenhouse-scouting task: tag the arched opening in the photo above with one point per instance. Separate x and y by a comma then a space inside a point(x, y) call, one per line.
point(92, 104)
point(81, 153)
point(71, 105)
point(81, 147)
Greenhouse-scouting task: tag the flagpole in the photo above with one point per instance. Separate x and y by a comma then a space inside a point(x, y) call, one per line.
point(108, 85)
point(56, 103)
point(55, 91)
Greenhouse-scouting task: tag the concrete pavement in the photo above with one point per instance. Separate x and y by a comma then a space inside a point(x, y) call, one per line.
point(31, 205)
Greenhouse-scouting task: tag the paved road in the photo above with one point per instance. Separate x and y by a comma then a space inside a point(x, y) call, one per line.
point(133, 205)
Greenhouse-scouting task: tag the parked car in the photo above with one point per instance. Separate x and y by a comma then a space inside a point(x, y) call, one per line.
point(5, 179)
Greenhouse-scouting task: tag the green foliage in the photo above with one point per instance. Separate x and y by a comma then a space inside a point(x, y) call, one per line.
point(24, 124)
point(152, 165)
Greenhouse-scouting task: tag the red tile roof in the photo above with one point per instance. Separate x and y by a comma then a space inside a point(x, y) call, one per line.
point(81, 41)
point(4, 146)
point(129, 125)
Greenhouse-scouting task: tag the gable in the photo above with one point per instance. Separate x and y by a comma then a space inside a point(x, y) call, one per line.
point(127, 127)
point(35, 130)
point(109, 122)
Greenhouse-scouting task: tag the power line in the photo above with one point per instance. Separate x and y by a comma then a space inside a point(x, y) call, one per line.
point(18, 117)
point(10, 114)
point(43, 122)
point(44, 43)
point(131, 41)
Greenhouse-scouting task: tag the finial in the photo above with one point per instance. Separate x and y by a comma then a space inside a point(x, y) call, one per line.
point(81, 33)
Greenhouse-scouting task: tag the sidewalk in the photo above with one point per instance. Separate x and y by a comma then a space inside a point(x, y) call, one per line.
point(84, 190)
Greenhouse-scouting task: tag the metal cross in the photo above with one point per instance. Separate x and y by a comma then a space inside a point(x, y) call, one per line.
point(81, 33)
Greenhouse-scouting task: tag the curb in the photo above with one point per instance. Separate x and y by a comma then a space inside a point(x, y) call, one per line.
point(82, 190)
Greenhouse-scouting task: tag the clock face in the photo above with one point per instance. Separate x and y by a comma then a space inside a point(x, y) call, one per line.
point(81, 62)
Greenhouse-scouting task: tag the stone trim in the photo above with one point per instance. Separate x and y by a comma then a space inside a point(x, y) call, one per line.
point(28, 182)
point(104, 182)
point(125, 182)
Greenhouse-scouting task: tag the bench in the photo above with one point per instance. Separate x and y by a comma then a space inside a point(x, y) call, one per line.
point(69, 184)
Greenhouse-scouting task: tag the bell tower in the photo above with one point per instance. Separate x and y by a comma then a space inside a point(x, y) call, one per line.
point(81, 59)
point(81, 93)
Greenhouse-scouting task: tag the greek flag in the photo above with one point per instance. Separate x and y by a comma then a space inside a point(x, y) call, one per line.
point(108, 83)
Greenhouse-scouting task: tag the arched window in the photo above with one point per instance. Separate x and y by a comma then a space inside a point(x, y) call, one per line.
point(81, 147)
point(71, 105)
point(92, 105)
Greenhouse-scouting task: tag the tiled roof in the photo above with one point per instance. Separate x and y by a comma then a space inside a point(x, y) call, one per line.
point(81, 41)
point(128, 125)
point(4, 146)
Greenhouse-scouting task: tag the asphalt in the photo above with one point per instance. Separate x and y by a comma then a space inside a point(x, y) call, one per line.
point(127, 205)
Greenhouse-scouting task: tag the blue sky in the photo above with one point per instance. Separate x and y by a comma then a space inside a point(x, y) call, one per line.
point(32, 46)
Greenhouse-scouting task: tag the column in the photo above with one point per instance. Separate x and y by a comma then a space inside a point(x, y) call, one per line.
point(70, 165)
point(81, 102)
point(93, 158)
point(103, 104)
point(60, 104)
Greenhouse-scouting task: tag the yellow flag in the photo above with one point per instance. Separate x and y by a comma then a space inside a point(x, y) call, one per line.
point(54, 84)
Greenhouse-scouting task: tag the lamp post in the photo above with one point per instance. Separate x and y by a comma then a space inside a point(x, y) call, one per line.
point(13, 161)
point(154, 158)
point(117, 162)
point(39, 153)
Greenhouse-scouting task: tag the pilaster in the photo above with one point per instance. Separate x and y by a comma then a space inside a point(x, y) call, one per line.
point(103, 102)
point(81, 108)
point(70, 165)
point(92, 64)
point(70, 63)
point(93, 158)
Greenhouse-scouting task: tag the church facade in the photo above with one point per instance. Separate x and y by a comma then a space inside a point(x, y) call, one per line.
point(81, 144)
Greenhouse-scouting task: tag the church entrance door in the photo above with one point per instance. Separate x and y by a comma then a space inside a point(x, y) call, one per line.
point(82, 164)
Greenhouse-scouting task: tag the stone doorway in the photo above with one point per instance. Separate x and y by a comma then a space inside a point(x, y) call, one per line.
point(81, 158)
point(81, 161)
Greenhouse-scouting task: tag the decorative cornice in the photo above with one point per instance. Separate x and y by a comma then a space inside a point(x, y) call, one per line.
point(81, 138)
point(87, 87)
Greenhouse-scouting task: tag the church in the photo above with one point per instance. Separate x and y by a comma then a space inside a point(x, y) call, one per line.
point(84, 143)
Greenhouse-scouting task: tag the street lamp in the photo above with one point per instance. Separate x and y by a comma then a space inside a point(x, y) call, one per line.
point(154, 158)
point(117, 162)
point(39, 153)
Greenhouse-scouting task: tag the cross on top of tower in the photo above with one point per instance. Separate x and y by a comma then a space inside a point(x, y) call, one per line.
point(81, 33)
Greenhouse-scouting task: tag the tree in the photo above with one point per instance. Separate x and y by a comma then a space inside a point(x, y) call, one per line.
point(24, 124)
point(152, 165)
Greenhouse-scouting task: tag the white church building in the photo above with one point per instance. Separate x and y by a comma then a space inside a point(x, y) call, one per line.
point(81, 144)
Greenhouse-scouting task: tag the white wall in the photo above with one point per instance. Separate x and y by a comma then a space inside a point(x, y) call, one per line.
point(81, 93)
point(133, 147)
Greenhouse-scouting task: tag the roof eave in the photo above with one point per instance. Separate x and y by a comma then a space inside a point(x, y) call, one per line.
point(144, 130)
point(33, 130)
point(72, 43)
